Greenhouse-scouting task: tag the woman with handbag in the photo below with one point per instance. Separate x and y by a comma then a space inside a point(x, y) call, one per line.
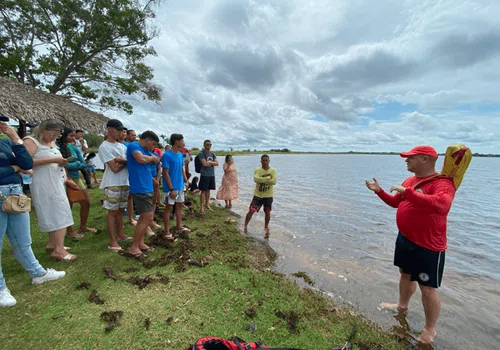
point(77, 163)
point(14, 211)
point(48, 187)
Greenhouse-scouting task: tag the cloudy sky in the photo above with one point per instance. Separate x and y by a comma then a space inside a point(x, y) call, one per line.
point(324, 75)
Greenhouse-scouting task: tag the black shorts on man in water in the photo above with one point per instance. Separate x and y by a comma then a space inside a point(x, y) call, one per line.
point(258, 202)
point(206, 183)
point(425, 266)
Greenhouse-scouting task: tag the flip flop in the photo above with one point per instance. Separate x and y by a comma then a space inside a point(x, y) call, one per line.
point(67, 258)
point(89, 229)
point(50, 250)
point(184, 229)
point(115, 249)
point(149, 250)
point(128, 239)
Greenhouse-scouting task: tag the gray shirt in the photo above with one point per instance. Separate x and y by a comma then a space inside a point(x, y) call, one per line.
point(207, 170)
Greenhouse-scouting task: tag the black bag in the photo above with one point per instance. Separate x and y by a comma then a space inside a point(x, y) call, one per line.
point(197, 163)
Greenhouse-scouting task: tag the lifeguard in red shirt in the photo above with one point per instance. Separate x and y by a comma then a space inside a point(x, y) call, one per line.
point(423, 202)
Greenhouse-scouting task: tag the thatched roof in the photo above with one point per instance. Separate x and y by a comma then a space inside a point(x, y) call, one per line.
point(23, 102)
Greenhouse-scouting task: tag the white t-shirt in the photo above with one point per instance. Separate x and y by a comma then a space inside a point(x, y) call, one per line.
point(107, 152)
point(79, 145)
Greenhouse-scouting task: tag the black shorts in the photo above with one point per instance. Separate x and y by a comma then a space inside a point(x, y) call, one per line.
point(143, 202)
point(425, 266)
point(207, 183)
point(258, 202)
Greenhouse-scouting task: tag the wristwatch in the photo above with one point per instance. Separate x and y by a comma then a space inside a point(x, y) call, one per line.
point(19, 142)
point(170, 189)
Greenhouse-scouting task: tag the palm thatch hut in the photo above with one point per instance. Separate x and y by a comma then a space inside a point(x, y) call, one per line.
point(30, 105)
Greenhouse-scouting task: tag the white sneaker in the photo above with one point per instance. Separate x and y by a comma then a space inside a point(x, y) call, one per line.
point(51, 275)
point(6, 299)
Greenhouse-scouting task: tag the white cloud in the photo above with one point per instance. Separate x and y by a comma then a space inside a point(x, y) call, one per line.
point(252, 74)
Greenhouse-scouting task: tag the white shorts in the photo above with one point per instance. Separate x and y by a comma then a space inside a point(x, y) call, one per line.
point(178, 199)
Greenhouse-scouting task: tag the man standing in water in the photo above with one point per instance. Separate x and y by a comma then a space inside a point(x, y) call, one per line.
point(265, 178)
point(423, 202)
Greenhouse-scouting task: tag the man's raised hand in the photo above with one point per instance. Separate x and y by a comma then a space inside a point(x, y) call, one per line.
point(373, 186)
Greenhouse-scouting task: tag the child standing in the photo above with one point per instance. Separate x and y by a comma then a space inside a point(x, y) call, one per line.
point(91, 167)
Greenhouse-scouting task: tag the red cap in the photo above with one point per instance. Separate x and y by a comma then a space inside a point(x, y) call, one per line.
point(426, 150)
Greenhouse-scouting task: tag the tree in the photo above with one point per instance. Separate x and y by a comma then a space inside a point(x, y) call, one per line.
point(92, 50)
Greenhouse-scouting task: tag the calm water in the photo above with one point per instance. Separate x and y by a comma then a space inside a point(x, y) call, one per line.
point(326, 222)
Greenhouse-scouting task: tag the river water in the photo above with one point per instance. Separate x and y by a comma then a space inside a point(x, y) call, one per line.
point(326, 223)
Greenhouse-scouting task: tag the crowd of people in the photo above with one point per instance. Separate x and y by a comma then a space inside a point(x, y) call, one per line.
point(139, 177)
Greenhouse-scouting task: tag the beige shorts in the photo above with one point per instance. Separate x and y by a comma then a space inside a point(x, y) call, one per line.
point(115, 197)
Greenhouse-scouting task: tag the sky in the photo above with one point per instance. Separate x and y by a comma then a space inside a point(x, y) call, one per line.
point(323, 75)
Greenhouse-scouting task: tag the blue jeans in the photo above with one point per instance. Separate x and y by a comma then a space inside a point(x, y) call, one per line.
point(17, 227)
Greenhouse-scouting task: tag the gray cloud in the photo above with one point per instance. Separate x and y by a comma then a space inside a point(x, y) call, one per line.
point(238, 65)
point(462, 50)
point(375, 68)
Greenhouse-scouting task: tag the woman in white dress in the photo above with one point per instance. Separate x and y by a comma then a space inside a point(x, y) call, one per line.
point(48, 187)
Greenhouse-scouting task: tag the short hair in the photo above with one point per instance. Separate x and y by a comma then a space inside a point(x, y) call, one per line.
point(206, 141)
point(227, 157)
point(195, 179)
point(124, 128)
point(130, 131)
point(264, 156)
point(175, 137)
point(78, 130)
point(148, 134)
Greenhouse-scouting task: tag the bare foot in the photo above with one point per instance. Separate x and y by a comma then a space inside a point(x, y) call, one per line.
point(393, 307)
point(266, 230)
point(244, 229)
point(208, 207)
point(155, 225)
point(427, 336)
point(149, 232)
point(133, 223)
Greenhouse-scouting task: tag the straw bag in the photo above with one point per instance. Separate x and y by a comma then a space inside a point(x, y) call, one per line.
point(16, 203)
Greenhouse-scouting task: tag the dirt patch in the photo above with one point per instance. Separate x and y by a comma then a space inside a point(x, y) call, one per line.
point(161, 240)
point(292, 319)
point(94, 298)
point(83, 285)
point(141, 282)
point(113, 319)
point(109, 273)
point(262, 256)
point(131, 269)
point(147, 323)
point(304, 275)
point(251, 312)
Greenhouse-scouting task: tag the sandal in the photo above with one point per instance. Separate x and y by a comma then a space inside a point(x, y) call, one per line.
point(115, 249)
point(67, 258)
point(148, 249)
point(139, 256)
point(128, 239)
point(89, 229)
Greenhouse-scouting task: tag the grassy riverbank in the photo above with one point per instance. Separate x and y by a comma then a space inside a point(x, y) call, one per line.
point(235, 294)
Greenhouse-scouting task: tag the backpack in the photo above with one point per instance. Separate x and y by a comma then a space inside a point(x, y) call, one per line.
point(456, 162)
point(214, 343)
point(197, 163)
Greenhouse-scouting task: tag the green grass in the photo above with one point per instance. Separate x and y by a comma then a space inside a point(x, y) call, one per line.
point(204, 301)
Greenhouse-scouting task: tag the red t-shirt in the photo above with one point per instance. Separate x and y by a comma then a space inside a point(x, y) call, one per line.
point(422, 213)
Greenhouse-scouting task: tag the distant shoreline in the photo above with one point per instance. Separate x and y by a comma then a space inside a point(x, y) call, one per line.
point(242, 153)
